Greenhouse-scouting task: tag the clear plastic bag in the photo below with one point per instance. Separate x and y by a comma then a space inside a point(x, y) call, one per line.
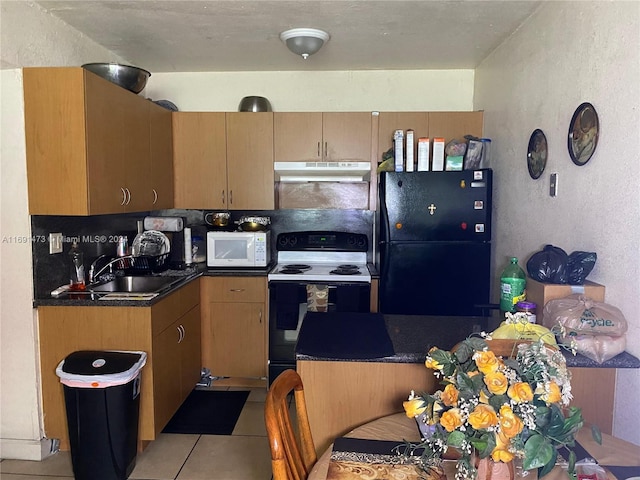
point(580, 315)
point(597, 330)
point(588, 469)
point(598, 348)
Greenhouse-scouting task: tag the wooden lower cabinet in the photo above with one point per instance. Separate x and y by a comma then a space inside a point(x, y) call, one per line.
point(169, 332)
point(234, 326)
point(343, 395)
point(593, 391)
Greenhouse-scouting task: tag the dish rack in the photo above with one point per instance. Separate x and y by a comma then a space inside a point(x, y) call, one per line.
point(145, 263)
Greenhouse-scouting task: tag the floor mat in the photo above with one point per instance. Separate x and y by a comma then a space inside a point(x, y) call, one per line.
point(209, 412)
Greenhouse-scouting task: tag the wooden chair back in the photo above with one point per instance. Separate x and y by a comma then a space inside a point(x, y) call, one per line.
point(292, 455)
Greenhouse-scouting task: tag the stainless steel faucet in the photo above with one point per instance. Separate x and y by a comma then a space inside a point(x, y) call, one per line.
point(93, 275)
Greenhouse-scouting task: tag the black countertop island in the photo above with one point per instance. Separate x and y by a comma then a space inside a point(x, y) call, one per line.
point(374, 337)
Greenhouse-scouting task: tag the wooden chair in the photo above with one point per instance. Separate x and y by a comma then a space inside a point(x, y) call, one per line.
point(292, 456)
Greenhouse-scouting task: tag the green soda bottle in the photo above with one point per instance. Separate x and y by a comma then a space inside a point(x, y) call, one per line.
point(512, 284)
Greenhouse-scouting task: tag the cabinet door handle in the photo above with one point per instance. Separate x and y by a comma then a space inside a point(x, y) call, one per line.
point(260, 316)
point(318, 149)
point(180, 333)
point(326, 149)
point(128, 196)
point(124, 196)
point(230, 197)
point(222, 196)
point(155, 196)
point(236, 289)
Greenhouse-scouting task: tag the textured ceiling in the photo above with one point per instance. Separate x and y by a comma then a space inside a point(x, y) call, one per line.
point(205, 35)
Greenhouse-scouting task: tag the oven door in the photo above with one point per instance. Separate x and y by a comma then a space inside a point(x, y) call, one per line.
point(288, 303)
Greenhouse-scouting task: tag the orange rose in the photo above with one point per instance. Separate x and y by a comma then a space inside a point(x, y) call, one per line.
point(450, 395)
point(486, 361)
point(501, 453)
point(483, 397)
point(483, 416)
point(414, 407)
point(510, 423)
point(496, 382)
point(451, 419)
point(553, 395)
point(520, 392)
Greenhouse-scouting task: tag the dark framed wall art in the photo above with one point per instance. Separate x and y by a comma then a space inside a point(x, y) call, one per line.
point(583, 134)
point(537, 153)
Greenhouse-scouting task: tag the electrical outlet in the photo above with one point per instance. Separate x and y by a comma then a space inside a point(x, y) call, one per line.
point(55, 243)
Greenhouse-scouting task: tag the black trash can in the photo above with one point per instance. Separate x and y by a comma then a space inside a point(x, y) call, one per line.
point(102, 399)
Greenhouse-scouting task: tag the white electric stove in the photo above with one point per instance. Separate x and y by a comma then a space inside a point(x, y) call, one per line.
point(335, 262)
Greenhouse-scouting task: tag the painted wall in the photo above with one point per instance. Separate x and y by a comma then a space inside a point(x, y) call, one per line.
point(56, 44)
point(565, 54)
point(420, 90)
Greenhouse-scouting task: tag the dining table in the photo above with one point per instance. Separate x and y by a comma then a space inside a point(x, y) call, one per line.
point(619, 458)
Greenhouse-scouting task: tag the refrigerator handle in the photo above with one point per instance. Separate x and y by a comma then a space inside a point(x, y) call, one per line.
point(384, 220)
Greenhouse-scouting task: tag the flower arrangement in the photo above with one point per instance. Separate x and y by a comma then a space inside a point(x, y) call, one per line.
point(498, 407)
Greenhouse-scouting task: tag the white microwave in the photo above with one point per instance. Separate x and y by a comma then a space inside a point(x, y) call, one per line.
point(238, 249)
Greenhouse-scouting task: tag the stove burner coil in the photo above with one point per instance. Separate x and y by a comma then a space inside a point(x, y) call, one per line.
point(291, 271)
point(346, 270)
point(297, 266)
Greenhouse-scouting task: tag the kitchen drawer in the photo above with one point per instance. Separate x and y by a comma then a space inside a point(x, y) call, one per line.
point(234, 289)
point(174, 306)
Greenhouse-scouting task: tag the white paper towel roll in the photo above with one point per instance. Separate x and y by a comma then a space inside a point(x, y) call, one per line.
point(163, 224)
point(187, 246)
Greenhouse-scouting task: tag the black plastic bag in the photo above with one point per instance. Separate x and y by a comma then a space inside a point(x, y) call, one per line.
point(579, 266)
point(549, 265)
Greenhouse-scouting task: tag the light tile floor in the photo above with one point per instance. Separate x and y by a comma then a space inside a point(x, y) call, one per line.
point(244, 455)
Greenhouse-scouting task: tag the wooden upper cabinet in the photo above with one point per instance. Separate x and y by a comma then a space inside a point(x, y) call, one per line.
point(161, 148)
point(347, 136)
point(389, 122)
point(297, 136)
point(250, 173)
point(135, 160)
point(316, 136)
point(200, 160)
point(223, 160)
point(451, 125)
point(87, 143)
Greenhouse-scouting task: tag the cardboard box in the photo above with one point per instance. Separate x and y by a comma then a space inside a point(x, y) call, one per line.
point(398, 140)
point(438, 154)
point(423, 154)
point(411, 160)
point(540, 293)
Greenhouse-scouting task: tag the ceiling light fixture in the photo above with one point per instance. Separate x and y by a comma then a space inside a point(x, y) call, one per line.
point(304, 41)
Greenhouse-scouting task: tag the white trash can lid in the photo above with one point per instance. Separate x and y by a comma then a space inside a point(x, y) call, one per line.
point(100, 368)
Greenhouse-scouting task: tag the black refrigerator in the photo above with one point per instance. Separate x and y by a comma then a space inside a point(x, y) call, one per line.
point(434, 234)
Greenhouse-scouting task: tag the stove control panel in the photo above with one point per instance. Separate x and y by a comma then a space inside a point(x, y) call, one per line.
point(319, 241)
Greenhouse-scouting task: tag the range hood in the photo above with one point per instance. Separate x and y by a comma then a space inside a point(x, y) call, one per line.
point(343, 171)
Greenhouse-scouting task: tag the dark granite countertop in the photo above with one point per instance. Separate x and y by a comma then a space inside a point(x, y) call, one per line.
point(189, 274)
point(96, 300)
point(413, 336)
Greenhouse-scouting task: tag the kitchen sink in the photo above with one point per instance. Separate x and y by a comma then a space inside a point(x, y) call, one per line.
point(136, 284)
